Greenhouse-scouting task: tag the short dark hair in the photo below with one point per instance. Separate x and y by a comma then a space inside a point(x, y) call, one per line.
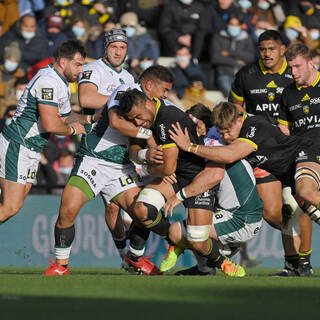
point(21, 80)
point(201, 112)
point(68, 49)
point(298, 49)
point(129, 98)
point(157, 72)
point(270, 35)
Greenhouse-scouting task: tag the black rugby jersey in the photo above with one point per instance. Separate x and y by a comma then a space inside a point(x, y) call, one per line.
point(261, 90)
point(188, 164)
point(300, 108)
point(274, 151)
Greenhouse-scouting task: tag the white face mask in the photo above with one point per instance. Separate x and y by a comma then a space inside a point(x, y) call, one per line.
point(314, 35)
point(186, 1)
point(65, 170)
point(291, 34)
point(28, 34)
point(264, 5)
point(8, 121)
point(145, 64)
point(183, 58)
point(19, 93)
point(10, 65)
point(245, 4)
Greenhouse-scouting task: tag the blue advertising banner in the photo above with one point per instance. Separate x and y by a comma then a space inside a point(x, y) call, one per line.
point(27, 240)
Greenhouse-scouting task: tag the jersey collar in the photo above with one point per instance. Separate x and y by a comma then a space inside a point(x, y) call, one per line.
point(110, 66)
point(157, 109)
point(281, 71)
point(313, 84)
point(59, 74)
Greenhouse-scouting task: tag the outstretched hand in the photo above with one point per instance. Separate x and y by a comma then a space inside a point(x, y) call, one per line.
point(155, 155)
point(181, 138)
point(170, 205)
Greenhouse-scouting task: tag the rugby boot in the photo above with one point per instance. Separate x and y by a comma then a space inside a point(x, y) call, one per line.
point(231, 269)
point(171, 258)
point(194, 271)
point(142, 266)
point(305, 269)
point(56, 269)
point(287, 271)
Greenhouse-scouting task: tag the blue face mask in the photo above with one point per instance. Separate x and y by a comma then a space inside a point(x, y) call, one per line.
point(314, 35)
point(10, 66)
point(234, 31)
point(183, 58)
point(245, 4)
point(292, 34)
point(264, 5)
point(65, 170)
point(145, 64)
point(8, 121)
point(79, 32)
point(61, 2)
point(28, 34)
point(130, 31)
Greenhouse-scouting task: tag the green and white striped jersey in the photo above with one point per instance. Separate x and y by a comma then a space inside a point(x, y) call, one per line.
point(49, 88)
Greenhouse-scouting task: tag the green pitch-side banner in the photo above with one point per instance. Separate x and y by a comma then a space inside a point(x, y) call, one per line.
point(27, 240)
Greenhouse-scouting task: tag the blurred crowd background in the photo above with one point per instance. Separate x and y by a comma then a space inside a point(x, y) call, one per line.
point(203, 42)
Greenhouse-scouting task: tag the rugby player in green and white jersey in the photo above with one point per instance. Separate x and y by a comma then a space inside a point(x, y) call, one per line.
point(96, 84)
point(102, 164)
point(43, 109)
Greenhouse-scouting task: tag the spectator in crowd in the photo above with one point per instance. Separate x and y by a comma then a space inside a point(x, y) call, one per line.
point(145, 62)
point(182, 22)
point(306, 11)
point(9, 72)
point(139, 40)
point(296, 32)
point(31, 42)
point(219, 13)
point(183, 69)
point(7, 117)
point(9, 14)
point(316, 59)
point(32, 7)
point(19, 87)
point(271, 9)
point(195, 93)
point(53, 33)
point(79, 29)
point(147, 11)
point(94, 44)
point(230, 50)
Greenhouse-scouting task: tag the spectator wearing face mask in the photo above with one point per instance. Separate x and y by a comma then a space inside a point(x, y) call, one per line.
point(230, 50)
point(183, 69)
point(53, 33)
point(31, 42)
point(139, 40)
point(296, 32)
point(9, 72)
point(145, 62)
point(7, 117)
point(79, 29)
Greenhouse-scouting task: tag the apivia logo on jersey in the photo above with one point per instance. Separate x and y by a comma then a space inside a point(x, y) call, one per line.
point(311, 121)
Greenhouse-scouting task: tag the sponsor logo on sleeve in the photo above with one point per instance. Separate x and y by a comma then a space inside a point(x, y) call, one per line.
point(251, 132)
point(47, 93)
point(86, 75)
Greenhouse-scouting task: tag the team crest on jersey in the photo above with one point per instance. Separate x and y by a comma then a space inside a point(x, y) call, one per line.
point(306, 109)
point(271, 96)
point(86, 74)
point(47, 93)
point(121, 81)
point(251, 132)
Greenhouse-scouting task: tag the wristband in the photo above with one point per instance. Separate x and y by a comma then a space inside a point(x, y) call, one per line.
point(142, 155)
point(144, 133)
point(90, 118)
point(181, 195)
point(73, 131)
point(193, 147)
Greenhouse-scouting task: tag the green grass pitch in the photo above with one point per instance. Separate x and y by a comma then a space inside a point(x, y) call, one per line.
point(114, 294)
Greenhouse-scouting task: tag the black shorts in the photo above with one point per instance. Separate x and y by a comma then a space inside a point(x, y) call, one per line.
point(309, 153)
point(263, 176)
point(202, 201)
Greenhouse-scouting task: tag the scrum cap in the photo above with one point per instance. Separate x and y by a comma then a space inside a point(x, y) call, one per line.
point(114, 35)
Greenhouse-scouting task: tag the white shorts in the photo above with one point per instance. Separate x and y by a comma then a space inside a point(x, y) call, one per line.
point(107, 178)
point(231, 228)
point(17, 163)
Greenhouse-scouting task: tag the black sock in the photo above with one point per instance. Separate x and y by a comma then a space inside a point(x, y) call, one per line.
point(292, 261)
point(213, 255)
point(138, 236)
point(64, 236)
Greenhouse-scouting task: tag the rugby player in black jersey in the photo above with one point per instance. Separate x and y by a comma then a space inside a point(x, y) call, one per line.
point(300, 115)
point(257, 90)
point(263, 145)
point(160, 115)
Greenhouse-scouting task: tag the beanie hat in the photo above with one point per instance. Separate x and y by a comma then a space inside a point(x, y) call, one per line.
point(292, 21)
point(12, 51)
point(54, 21)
